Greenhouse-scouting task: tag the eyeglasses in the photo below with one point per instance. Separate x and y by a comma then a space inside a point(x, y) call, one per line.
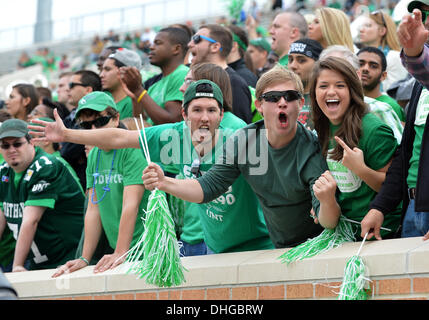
point(198, 38)
point(98, 123)
point(16, 145)
point(382, 16)
point(425, 14)
point(275, 96)
point(74, 84)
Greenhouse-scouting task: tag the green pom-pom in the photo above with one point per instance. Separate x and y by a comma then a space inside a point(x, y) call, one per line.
point(354, 281)
point(327, 240)
point(156, 255)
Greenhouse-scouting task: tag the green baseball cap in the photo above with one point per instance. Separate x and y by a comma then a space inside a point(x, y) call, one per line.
point(13, 128)
point(262, 43)
point(203, 89)
point(97, 101)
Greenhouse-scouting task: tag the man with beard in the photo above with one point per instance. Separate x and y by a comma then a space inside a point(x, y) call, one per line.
point(163, 101)
point(213, 43)
point(303, 54)
point(373, 71)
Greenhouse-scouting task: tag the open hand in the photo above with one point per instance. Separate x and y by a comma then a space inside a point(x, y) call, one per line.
point(412, 33)
point(48, 131)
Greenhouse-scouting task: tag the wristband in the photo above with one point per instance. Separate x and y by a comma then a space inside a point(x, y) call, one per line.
point(84, 260)
point(141, 96)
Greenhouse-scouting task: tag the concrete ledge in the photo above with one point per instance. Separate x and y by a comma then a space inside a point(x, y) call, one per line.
point(400, 260)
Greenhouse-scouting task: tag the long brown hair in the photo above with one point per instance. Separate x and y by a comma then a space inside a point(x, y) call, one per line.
point(390, 38)
point(350, 130)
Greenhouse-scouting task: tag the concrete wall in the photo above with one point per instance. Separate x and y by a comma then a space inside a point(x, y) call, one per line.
point(398, 269)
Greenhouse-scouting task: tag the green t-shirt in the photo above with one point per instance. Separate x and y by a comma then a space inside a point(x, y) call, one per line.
point(46, 183)
point(387, 115)
point(57, 154)
point(7, 248)
point(233, 221)
point(282, 179)
point(419, 127)
point(167, 88)
point(7, 242)
point(284, 61)
point(231, 121)
point(128, 165)
point(125, 108)
point(396, 107)
point(378, 146)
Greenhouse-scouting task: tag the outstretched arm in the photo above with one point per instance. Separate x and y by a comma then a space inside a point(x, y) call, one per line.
point(109, 138)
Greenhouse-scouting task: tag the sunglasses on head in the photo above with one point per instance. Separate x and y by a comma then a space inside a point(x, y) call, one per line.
point(98, 123)
point(198, 38)
point(275, 96)
point(382, 16)
point(16, 145)
point(74, 84)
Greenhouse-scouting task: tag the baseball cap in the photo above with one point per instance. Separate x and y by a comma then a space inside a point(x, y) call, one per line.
point(127, 57)
point(13, 128)
point(203, 89)
point(96, 100)
point(307, 47)
point(417, 4)
point(262, 43)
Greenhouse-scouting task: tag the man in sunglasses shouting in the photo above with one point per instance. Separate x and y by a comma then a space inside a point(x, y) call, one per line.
point(284, 181)
point(41, 202)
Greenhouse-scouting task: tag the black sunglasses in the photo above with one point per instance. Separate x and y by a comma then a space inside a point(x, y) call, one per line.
point(74, 84)
point(16, 145)
point(98, 123)
point(275, 96)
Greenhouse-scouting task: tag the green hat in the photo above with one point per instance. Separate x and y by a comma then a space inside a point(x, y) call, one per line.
point(13, 128)
point(417, 4)
point(97, 101)
point(203, 89)
point(262, 43)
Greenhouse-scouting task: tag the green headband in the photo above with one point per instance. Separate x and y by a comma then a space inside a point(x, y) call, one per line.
point(238, 40)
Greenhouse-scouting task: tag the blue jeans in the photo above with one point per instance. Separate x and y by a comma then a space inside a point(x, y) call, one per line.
point(187, 249)
point(416, 224)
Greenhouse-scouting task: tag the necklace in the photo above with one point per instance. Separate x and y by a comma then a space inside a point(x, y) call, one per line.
point(96, 175)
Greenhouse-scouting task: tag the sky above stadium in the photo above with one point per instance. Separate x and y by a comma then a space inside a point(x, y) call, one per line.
point(23, 12)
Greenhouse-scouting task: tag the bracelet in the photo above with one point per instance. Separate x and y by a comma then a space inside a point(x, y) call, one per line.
point(141, 96)
point(84, 260)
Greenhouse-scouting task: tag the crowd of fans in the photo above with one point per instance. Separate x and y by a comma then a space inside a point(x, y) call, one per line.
point(330, 125)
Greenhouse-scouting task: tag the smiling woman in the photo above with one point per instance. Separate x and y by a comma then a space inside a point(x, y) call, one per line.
point(357, 145)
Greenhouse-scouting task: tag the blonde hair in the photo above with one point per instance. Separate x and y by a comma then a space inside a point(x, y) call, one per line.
point(335, 27)
point(278, 74)
point(390, 38)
